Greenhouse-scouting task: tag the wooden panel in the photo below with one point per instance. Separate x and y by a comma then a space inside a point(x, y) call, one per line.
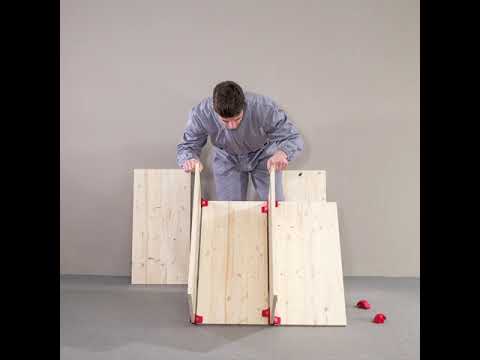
point(233, 279)
point(307, 264)
point(304, 185)
point(161, 223)
point(194, 245)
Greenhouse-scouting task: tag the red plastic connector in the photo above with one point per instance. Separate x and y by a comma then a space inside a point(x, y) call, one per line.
point(204, 202)
point(276, 320)
point(266, 312)
point(363, 304)
point(379, 318)
point(265, 207)
point(198, 319)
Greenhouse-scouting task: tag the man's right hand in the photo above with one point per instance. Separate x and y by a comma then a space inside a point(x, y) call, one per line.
point(189, 165)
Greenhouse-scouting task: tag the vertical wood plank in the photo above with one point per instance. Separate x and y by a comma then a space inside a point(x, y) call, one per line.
point(307, 264)
point(271, 205)
point(194, 245)
point(163, 219)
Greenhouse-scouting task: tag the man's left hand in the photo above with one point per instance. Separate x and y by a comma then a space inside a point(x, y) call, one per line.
point(278, 161)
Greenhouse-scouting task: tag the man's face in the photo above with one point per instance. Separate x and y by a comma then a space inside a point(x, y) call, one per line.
point(233, 122)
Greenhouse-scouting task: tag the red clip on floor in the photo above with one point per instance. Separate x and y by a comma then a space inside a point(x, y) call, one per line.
point(363, 304)
point(379, 318)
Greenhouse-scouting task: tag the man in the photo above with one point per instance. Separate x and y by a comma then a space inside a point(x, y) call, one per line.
point(250, 134)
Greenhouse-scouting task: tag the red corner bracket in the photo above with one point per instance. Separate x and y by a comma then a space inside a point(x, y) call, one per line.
point(204, 202)
point(265, 207)
point(198, 319)
point(276, 319)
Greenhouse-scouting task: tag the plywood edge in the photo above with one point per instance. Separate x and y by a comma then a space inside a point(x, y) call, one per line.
point(273, 307)
point(194, 246)
point(272, 289)
point(191, 307)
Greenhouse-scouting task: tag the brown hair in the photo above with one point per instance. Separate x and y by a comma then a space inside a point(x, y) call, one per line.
point(228, 99)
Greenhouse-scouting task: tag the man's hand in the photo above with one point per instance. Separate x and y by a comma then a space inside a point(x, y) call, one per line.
point(189, 165)
point(278, 161)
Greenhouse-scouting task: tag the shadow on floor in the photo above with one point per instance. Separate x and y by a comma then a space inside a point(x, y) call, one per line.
point(103, 319)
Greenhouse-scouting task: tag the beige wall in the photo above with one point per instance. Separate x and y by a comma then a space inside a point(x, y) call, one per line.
point(347, 72)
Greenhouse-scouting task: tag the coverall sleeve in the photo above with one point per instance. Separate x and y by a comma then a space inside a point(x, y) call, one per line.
point(281, 131)
point(193, 140)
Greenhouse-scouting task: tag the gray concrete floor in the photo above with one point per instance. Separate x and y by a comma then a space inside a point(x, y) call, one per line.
point(107, 318)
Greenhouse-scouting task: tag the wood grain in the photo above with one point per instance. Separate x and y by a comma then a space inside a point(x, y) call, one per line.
point(233, 269)
point(307, 265)
point(304, 185)
point(140, 228)
point(161, 222)
point(271, 288)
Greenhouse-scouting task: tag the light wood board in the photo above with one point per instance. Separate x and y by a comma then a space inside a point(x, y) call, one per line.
point(304, 185)
point(194, 245)
point(161, 224)
point(307, 266)
point(272, 295)
point(233, 269)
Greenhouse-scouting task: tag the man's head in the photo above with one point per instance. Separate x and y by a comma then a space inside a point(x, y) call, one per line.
point(228, 103)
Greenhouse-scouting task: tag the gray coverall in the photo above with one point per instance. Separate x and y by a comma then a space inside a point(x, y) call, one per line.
point(264, 129)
